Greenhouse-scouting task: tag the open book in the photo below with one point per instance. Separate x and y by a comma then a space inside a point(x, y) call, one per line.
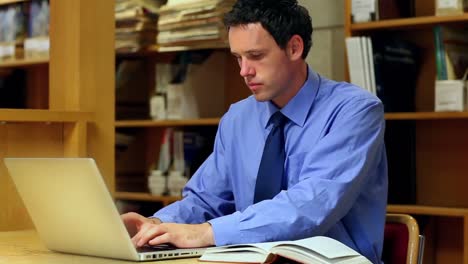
point(317, 249)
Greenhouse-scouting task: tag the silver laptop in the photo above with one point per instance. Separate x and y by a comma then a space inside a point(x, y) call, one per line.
point(73, 211)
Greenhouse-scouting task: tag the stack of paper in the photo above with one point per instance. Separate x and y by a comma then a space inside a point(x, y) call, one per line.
point(136, 24)
point(361, 62)
point(192, 21)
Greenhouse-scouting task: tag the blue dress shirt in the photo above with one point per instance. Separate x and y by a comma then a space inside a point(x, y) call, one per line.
point(335, 166)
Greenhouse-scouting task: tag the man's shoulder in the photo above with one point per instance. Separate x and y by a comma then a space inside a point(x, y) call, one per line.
point(242, 110)
point(346, 92)
point(245, 106)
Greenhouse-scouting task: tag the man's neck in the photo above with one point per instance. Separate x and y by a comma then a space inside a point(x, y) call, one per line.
point(300, 75)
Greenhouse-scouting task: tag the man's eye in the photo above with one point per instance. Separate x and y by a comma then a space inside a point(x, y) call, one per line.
point(256, 56)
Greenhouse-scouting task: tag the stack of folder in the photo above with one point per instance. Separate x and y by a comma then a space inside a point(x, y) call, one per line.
point(192, 22)
point(136, 24)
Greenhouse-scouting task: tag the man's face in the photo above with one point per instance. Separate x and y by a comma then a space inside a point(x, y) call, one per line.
point(264, 66)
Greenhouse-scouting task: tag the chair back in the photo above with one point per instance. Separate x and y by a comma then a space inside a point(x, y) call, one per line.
point(401, 240)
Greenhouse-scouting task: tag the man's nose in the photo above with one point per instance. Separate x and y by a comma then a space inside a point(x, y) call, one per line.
point(246, 69)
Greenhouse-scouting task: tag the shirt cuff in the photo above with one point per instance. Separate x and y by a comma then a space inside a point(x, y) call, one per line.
point(226, 229)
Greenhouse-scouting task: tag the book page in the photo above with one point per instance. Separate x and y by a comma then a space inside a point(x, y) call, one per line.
point(254, 247)
point(324, 246)
point(252, 253)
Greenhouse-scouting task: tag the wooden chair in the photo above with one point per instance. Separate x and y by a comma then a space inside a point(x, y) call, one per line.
point(402, 241)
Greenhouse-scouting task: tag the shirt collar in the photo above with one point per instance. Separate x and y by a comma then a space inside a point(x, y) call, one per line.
point(298, 107)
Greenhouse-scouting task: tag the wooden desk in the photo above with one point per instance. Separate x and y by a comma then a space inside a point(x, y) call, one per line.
point(25, 247)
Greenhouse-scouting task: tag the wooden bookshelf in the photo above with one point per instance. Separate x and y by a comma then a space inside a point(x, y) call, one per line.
point(146, 197)
point(440, 142)
point(168, 123)
point(69, 111)
point(27, 115)
point(18, 63)
point(410, 23)
point(426, 116)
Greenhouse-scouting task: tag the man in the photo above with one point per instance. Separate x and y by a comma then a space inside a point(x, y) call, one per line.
point(333, 174)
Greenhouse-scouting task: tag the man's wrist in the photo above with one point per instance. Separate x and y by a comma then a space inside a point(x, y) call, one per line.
point(209, 237)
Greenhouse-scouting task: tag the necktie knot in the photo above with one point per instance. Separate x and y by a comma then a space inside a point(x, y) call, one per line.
point(278, 119)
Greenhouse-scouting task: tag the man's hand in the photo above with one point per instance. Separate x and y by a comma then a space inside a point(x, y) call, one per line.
point(151, 231)
point(134, 222)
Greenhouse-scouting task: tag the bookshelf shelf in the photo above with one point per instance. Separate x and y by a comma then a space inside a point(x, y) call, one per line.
point(426, 116)
point(428, 210)
point(168, 123)
point(6, 2)
point(25, 115)
point(414, 22)
point(147, 197)
point(17, 63)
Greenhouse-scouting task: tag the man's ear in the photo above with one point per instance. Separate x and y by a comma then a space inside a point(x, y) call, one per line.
point(295, 48)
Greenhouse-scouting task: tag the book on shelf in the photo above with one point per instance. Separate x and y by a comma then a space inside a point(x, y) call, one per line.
point(318, 249)
point(370, 57)
point(198, 145)
point(374, 62)
point(366, 63)
point(392, 9)
point(371, 10)
point(364, 10)
point(355, 58)
point(440, 58)
point(451, 49)
point(39, 16)
point(396, 67)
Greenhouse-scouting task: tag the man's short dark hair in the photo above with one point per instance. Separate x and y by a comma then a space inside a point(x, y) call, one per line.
point(281, 18)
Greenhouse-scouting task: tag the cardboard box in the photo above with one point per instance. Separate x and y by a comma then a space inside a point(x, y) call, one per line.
point(450, 7)
point(450, 95)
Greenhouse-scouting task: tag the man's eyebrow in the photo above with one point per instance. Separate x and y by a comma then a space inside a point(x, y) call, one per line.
point(254, 51)
point(249, 52)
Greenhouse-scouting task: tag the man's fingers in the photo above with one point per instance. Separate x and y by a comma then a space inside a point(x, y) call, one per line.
point(150, 233)
point(164, 238)
point(132, 222)
point(143, 229)
point(180, 235)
